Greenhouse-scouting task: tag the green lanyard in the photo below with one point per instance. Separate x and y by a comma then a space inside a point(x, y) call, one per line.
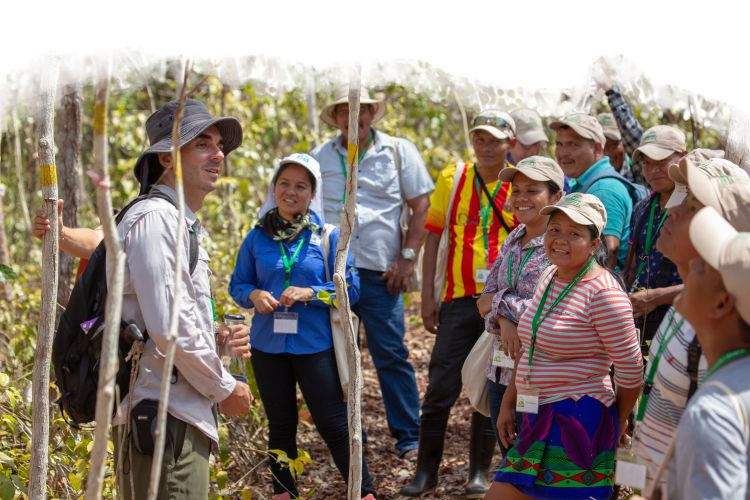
point(650, 235)
point(727, 358)
point(485, 213)
point(670, 330)
point(539, 319)
point(359, 160)
point(511, 282)
point(288, 263)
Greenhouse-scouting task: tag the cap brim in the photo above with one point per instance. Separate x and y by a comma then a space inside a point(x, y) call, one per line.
point(586, 134)
point(326, 114)
point(611, 134)
point(702, 187)
point(574, 215)
point(710, 233)
point(677, 175)
point(508, 173)
point(532, 137)
point(493, 131)
point(654, 151)
point(229, 128)
point(678, 195)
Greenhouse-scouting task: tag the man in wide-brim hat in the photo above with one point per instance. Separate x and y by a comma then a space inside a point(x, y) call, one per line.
point(149, 231)
point(196, 119)
point(391, 177)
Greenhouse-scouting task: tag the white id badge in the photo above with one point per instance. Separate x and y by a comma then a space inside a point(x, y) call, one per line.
point(482, 275)
point(315, 239)
point(499, 358)
point(629, 473)
point(527, 400)
point(285, 323)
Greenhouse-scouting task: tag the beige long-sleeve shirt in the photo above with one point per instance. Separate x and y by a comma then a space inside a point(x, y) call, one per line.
point(149, 232)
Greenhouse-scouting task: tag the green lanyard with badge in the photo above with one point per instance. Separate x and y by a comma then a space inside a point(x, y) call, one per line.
point(671, 329)
point(499, 358)
point(511, 282)
point(485, 215)
point(650, 237)
point(286, 322)
point(359, 161)
point(527, 400)
point(726, 359)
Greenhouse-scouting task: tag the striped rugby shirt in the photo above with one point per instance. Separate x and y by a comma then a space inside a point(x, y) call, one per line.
point(466, 238)
point(591, 328)
point(668, 397)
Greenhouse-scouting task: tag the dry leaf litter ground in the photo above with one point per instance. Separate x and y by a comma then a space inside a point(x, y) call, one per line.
point(321, 479)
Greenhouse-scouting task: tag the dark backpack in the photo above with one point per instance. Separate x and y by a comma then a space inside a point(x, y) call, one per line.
point(76, 349)
point(636, 191)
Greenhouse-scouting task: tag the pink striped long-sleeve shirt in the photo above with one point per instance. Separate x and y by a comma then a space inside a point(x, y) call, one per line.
point(591, 328)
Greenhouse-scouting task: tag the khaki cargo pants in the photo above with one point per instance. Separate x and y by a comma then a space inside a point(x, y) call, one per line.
point(184, 471)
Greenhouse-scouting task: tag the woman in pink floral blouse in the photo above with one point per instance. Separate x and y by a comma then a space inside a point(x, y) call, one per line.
point(537, 182)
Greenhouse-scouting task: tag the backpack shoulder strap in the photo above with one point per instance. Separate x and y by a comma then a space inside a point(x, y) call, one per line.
point(604, 175)
point(694, 352)
point(194, 244)
point(394, 143)
point(193, 249)
point(325, 246)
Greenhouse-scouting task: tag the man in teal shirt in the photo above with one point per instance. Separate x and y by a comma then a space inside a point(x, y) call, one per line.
point(579, 148)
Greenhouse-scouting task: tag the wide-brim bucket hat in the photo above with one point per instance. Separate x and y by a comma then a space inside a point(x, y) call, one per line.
point(341, 96)
point(195, 120)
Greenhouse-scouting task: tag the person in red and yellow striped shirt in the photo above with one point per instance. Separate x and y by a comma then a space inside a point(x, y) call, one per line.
point(469, 204)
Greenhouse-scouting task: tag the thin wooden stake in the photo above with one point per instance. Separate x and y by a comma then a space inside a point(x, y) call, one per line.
point(354, 403)
point(166, 375)
point(17, 163)
point(43, 352)
point(105, 393)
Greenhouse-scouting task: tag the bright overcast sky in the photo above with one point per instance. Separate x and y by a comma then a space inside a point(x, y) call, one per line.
point(698, 46)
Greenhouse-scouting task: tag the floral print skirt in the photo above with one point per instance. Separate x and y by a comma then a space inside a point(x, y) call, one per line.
point(567, 450)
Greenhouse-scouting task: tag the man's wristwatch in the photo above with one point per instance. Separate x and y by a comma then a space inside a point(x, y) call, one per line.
point(409, 254)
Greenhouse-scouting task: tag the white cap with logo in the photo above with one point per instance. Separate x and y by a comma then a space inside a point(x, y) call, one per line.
point(726, 250)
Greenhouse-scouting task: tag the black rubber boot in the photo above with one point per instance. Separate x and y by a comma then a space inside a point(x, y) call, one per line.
point(481, 449)
point(431, 437)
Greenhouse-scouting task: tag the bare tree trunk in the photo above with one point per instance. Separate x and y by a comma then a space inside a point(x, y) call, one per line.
point(464, 121)
point(4, 252)
point(312, 116)
point(19, 173)
point(693, 120)
point(69, 153)
point(223, 112)
point(737, 142)
point(180, 68)
point(150, 94)
point(354, 403)
point(40, 378)
point(166, 375)
point(105, 393)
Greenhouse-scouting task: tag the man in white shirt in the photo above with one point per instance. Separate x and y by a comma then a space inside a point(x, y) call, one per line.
point(391, 173)
point(149, 232)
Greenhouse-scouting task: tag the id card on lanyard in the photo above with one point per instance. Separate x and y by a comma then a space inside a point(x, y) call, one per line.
point(286, 323)
point(485, 217)
point(528, 398)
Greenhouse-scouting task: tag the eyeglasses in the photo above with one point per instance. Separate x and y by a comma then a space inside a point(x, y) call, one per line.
point(493, 121)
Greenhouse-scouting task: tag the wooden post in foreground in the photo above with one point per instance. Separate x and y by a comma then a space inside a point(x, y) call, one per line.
point(105, 393)
point(174, 317)
point(354, 403)
point(40, 377)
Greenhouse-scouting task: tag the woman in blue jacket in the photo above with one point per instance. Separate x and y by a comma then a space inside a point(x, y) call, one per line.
point(280, 272)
